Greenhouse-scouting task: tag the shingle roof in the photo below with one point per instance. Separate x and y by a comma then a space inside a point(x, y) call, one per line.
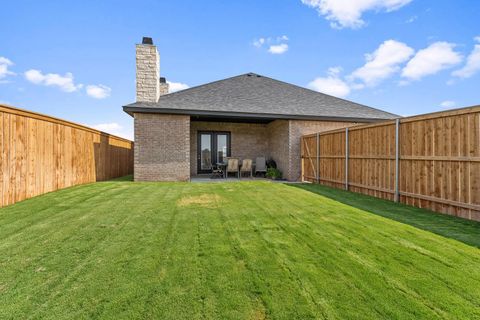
point(253, 94)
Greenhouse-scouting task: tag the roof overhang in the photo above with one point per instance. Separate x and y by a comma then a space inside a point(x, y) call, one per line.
point(232, 116)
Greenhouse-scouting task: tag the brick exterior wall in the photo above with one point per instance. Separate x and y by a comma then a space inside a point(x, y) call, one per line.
point(248, 140)
point(298, 128)
point(162, 147)
point(278, 147)
point(166, 145)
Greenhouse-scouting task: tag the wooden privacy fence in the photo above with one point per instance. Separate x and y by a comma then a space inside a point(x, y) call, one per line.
point(40, 154)
point(429, 161)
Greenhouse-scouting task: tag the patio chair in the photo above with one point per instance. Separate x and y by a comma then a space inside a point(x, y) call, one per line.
point(217, 172)
point(232, 166)
point(246, 167)
point(260, 166)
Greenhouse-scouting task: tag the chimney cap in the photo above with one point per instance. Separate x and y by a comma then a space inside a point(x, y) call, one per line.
point(147, 40)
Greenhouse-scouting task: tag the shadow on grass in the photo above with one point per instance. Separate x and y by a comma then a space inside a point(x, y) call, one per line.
point(459, 229)
point(124, 178)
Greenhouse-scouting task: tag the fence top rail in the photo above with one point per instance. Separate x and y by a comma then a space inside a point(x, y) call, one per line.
point(35, 115)
point(341, 130)
point(427, 116)
point(442, 114)
point(373, 125)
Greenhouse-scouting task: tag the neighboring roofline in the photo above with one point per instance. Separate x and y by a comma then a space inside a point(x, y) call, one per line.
point(245, 115)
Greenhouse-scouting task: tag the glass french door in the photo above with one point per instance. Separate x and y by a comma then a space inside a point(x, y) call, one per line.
point(212, 148)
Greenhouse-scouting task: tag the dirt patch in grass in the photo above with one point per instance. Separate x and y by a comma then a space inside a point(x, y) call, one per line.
point(259, 313)
point(203, 200)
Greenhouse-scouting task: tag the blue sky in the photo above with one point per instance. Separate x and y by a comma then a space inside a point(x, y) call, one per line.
point(76, 60)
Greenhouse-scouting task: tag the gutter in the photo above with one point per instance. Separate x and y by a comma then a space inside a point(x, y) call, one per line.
point(245, 115)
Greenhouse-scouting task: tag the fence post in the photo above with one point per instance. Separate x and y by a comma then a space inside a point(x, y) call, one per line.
point(318, 158)
point(346, 158)
point(397, 159)
point(302, 165)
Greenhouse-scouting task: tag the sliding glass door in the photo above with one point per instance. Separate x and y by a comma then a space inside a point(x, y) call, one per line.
point(212, 148)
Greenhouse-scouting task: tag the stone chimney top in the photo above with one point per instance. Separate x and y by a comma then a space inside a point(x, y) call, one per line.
point(147, 71)
point(147, 40)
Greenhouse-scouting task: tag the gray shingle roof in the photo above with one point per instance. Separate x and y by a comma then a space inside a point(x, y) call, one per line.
point(253, 94)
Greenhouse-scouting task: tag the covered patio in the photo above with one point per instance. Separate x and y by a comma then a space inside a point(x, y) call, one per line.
point(208, 178)
point(213, 141)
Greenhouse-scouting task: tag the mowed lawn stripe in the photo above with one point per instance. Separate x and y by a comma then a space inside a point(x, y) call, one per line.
point(42, 241)
point(124, 254)
point(270, 279)
point(301, 258)
point(79, 246)
point(275, 239)
point(350, 223)
point(63, 248)
point(311, 251)
point(248, 250)
point(21, 216)
point(218, 264)
point(177, 283)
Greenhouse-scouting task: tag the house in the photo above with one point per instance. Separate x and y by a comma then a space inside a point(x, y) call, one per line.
point(182, 134)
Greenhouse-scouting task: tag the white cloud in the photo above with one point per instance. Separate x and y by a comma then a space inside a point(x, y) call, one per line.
point(113, 128)
point(473, 63)
point(276, 45)
point(383, 62)
point(411, 19)
point(348, 13)
point(448, 104)
point(259, 42)
point(107, 127)
point(176, 86)
point(4, 64)
point(65, 83)
point(436, 57)
point(98, 91)
point(278, 48)
point(332, 84)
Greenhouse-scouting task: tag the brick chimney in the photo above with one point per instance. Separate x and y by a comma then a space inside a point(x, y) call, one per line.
point(148, 71)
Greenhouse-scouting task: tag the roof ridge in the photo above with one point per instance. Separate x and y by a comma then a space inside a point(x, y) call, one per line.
point(206, 84)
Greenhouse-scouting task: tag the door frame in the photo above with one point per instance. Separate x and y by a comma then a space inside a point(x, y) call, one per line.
point(213, 147)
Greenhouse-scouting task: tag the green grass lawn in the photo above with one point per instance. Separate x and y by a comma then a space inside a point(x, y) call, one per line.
point(249, 250)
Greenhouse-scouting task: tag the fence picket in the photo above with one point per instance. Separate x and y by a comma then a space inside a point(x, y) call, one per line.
point(41, 154)
point(430, 161)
